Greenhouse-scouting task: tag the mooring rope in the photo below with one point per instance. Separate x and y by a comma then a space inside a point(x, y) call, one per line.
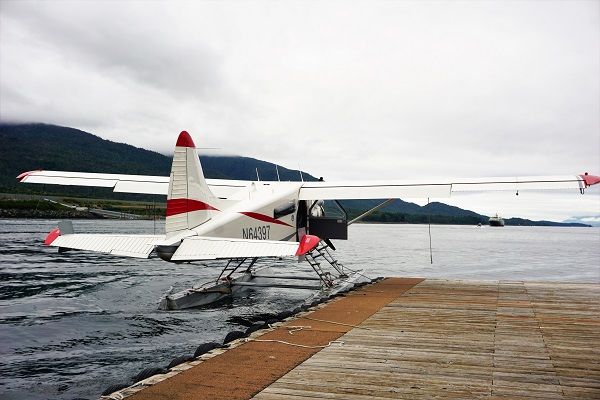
point(296, 328)
point(355, 271)
point(340, 342)
point(336, 323)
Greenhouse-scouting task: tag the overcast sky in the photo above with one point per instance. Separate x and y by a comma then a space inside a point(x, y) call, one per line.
point(346, 90)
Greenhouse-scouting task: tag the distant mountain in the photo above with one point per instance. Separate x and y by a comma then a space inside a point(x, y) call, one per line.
point(401, 206)
point(527, 222)
point(593, 220)
point(27, 147)
point(398, 206)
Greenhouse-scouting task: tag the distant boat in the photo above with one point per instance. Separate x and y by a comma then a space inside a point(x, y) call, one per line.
point(496, 221)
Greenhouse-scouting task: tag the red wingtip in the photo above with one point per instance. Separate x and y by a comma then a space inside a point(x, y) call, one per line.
point(307, 243)
point(590, 180)
point(185, 140)
point(25, 174)
point(54, 233)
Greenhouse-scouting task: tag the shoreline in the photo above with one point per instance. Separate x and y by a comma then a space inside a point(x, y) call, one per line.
point(67, 214)
point(22, 206)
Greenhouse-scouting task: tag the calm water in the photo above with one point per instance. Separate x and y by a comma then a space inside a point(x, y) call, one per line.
point(73, 324)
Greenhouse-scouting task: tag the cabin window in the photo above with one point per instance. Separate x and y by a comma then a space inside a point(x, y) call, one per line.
point(284, 209)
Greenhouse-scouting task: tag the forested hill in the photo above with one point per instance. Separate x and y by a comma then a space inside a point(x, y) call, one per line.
point(26, 147)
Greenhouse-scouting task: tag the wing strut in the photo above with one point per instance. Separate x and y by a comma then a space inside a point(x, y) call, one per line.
point(372, 210)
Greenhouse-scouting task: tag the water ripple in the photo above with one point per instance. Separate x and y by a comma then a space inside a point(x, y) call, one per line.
point(72, 324)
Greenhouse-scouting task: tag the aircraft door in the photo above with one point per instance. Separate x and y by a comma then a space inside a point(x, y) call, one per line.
point(326, 227)
point(301, 219)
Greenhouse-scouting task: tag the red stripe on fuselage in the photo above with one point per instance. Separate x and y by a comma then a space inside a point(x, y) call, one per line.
point(264, 218)
point(180, 206)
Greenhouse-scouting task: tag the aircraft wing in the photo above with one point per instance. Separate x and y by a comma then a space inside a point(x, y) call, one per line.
point(138, 246)
point(438, 188)
point(212, 248)
point(143, 184)
point(223, 188)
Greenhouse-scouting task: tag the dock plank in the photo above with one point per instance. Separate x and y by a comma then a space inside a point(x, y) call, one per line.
point(459, 340)
point(416, 339)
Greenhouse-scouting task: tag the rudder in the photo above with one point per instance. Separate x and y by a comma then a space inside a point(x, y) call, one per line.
point(190, 201)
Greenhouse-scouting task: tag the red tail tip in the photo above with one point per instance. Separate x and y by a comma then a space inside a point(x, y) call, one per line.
point(185, 140)
point(307, 243)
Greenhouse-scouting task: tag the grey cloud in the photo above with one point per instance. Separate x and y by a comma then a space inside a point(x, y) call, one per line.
point(350, 90)
point(123, 43)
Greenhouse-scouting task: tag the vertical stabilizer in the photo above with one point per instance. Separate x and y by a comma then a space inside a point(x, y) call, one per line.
point(189, 202)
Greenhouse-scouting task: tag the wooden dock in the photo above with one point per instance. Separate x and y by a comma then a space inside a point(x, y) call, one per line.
point(415, 339)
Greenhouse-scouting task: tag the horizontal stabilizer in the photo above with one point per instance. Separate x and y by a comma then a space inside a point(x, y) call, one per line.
point(138, 246)
point(212, 248)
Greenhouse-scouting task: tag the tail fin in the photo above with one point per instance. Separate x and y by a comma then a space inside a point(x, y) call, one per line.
point(189, 201)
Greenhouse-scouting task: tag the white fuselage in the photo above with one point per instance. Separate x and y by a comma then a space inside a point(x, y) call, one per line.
point(250, 213)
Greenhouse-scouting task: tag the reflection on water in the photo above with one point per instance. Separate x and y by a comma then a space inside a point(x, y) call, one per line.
point(72, 324)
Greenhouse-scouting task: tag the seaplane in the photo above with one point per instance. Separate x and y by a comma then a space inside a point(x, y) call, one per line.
point(240, 222)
